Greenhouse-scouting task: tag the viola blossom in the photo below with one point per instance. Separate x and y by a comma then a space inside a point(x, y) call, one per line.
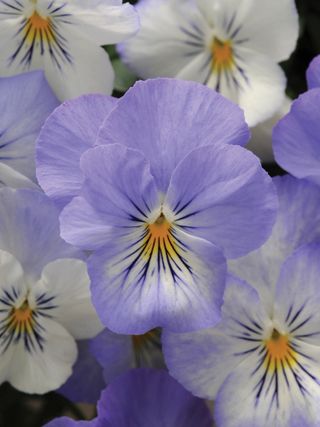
point(64, 39)
point(44, 295)
point(296, 136)
point(164, 196)
point(232, 47)
point(25, 103)
point(145, 397)
point(261, 363)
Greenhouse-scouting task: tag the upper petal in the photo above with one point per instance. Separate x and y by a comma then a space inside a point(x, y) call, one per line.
point(66, 135)
point(296, 138)
point(166, 119)
point(313, 73)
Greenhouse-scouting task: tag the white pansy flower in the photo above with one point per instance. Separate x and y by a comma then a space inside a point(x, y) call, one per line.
point(230, 46)
point(64, 39)
point(45, 302)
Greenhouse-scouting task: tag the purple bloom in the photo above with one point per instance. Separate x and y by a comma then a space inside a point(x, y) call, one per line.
point(144, 398)
point(296, 136)
point(165, 196)
point(26, 101)
point(261, 363)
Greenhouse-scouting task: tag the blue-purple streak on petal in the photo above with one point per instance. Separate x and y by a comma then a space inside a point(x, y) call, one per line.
point(296, 138)
point(86, 381)
point(29, 229)
point(167, 118)
point(222, 194)
point(66, 135)
point(145, 397)
point(313, 73)
point(135, 294)
point(26, 101)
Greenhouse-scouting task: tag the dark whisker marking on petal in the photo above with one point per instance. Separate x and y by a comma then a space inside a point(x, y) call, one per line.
point(301, 324)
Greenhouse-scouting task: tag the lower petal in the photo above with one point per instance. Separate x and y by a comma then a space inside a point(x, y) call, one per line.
point(136, 289)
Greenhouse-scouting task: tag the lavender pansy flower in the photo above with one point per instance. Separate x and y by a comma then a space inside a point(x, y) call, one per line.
point(64, 39)
point(144, 398)
point(44, 295)
point(296, 137)
point(165, 196)
point(231, 46)
point(26, 101)
point(261, 363)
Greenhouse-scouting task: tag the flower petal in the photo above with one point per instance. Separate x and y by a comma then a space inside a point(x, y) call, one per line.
point(66, 135)
point(104, 23)
point(79, 77)
point(151, 397)
point(29, 229)
point(298, 223)
point(179, 288)
point(214, 191)
point(26, 101)
point(313, 73)
point(46, 368)
point(11, 178)
point(166, 119)
point(68, 280)
point(296, 136)
point(82, 226)
point(86, 382)
point(118, 184)
point(202, 360)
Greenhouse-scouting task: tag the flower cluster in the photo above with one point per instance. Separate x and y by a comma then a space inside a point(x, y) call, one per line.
point(148, 262)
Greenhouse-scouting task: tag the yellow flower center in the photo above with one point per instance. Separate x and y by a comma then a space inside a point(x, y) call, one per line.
point(21, 319)
point(222, 55)
point(159, 238)
point(38, 29)
point(279, 352)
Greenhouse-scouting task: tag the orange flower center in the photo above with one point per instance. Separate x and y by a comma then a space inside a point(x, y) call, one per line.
point(279, 352)
point(21, 319)
point(39, 29)
point(160, 238)
point(222, 55)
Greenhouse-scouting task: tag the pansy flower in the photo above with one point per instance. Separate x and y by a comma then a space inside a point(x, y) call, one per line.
point(26, 101)
point(144, 398)
point(64, 39)
point(296, 137)
point(164, 196)
point(44, 295)
point(230, 46)
point(261, 363)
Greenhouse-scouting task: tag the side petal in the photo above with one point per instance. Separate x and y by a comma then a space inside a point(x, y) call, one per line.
point(29, 229)
point(180, 289)
point(313, 73)
point(260, 79)
point(82, 226)
point(202, 360)
point(297, 297)
point(25, 103)
point(68, 280)
point(10, 177)
point(119, 185)
point(214, 191)
point(295, 138)
point(298, 223)
point(166, 119)
point(68, 422)
point(66, 135)
point(46, 368)
point(77, 76)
